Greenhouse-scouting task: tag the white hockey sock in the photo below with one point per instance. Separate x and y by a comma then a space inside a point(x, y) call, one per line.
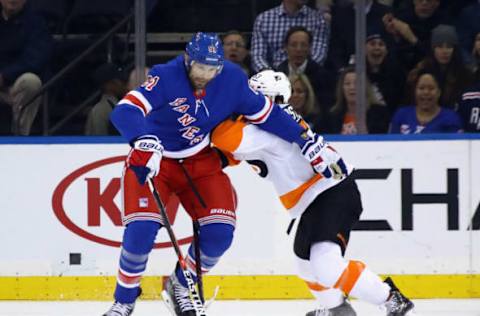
point(352, 277)
point(325, 297)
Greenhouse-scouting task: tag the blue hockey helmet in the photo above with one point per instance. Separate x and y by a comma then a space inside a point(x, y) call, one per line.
point(205, 48)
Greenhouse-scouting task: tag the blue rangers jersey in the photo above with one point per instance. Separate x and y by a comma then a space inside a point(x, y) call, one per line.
point(167, 106)
point(469, 109)
point(405, 121)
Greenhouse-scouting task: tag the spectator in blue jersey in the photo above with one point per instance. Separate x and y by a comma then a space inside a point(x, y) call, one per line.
point(342, 116)
point(25, 51)
point(298, 44)
point(167, 121)
point(235, 47)
point(469, 106)
point(271, 26)
point(445, 61)
point(426, 115)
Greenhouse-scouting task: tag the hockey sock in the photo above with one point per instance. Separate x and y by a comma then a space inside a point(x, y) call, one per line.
point(325, 297)
point(214, 240)
point(138, 240)
point(352, 277)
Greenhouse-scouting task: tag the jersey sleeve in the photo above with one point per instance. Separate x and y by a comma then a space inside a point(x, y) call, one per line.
point(395, 123)
point(260, 110)
point(129, 114)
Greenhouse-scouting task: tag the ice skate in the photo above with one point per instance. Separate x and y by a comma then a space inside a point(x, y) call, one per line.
point(177, 298)
point(120, 309)
point(397, 304)
point(344, 309)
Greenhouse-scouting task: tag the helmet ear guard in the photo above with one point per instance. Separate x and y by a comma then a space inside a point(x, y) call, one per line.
point(275, 85)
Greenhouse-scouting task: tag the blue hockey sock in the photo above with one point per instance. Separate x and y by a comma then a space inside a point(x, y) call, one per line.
point(214, 240)
point(138, 240)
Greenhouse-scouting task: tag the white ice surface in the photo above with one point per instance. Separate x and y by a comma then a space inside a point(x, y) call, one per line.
point(232, 308)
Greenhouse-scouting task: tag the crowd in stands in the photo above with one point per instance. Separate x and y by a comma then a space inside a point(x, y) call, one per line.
point(422, 61)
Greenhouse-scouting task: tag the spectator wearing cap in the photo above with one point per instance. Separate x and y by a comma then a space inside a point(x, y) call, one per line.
point(112, 81)
point(412, 27)
point(386, 77)
point(444, 60)
point(235, 49)
point(342, 39)
point(426, 115)
point(468, 26)
point(271, 26)
point(298, 44)
point(25, 52)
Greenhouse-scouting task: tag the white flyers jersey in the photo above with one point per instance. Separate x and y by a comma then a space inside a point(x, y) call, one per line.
point(276, 160)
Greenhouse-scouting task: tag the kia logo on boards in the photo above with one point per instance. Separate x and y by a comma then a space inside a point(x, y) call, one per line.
point(97, 201)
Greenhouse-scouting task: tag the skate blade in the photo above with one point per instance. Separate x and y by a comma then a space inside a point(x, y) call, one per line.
point(168, 302)
point(212, 299)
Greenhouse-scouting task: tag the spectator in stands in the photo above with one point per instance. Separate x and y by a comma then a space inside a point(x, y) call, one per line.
point(271, 26)
point(426, 116)
point(476, 56)
point(298, 44)
point(114, 86)
point(132, 82)
point(412, 28)
point(342, 39)
point(304, 101)
point(235, 49)
point(469, 108)
point(341, 118)
point(445, 61)
point(25, 51)
point(386, 77)
point(468, 26)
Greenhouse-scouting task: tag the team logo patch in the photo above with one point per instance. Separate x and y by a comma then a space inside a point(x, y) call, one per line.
point(212, 49)
point(143, 202)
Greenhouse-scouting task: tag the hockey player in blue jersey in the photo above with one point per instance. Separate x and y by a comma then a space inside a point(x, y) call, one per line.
point(167, 121)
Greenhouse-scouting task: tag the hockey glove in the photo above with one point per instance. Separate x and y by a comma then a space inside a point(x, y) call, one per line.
point(324, 159)
point(145, 157)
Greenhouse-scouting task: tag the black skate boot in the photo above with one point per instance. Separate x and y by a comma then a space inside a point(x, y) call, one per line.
point(120, 309)
point(344, 309)
point(397, 304)
point(177, 297)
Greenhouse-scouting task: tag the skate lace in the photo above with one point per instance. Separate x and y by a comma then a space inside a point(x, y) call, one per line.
point(322, 312)
point(396, 303)
point(183, 298)
point(120, 309)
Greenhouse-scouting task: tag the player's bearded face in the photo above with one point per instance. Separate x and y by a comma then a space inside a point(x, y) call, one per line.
point(201, 74)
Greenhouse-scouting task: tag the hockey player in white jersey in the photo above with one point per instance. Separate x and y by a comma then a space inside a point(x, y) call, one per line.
point(327, 205)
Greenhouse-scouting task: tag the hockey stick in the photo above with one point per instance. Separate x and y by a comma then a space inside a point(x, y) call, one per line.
point(197, 302)
point(198, 263)
point(196, 229)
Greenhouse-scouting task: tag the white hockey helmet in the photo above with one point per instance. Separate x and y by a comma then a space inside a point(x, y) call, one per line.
point(272, 84)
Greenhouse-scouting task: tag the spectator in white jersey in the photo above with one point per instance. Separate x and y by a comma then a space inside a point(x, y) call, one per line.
point(271, 26)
